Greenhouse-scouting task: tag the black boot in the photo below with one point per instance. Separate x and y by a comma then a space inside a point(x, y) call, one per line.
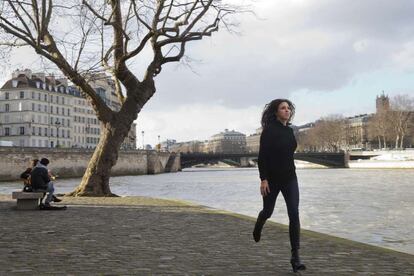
point(257, 232)
point(296, 262)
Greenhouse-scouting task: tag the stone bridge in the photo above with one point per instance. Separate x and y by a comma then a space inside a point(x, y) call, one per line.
point(329, 159)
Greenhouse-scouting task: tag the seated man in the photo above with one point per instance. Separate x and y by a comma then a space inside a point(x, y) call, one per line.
point(40, 180)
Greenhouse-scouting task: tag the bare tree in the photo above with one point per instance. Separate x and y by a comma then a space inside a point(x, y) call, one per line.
point(381, 128)
point(86, 37)
point(328, 134)
point(334, 127)
point(402, 111)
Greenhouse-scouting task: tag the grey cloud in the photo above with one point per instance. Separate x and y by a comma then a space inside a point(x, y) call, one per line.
point(317, 47)
point(374, 18)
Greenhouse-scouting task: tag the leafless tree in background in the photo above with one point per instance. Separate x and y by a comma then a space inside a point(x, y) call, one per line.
point(380, 128)
point(87, 37)
point(402, 115)
point(328, 134)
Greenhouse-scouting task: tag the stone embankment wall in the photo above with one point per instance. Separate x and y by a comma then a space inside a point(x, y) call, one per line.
point(72, 162)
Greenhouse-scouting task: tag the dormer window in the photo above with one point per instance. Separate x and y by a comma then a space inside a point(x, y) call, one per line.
point(14, 83)
point(38, 84)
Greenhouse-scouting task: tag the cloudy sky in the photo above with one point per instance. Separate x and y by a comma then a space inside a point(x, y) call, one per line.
point(327, 56)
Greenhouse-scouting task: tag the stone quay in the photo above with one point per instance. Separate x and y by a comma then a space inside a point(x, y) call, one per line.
point(147, 236)
point(67, 163)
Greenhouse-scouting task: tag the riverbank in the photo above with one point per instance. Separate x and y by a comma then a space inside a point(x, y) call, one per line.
point(390, 159)
point(381, 164)
point(72, 162)
point(146, 236)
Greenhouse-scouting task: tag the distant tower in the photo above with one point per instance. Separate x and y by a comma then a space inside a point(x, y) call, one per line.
point(382, 102)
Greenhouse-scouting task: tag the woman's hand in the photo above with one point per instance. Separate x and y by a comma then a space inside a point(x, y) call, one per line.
point(264, 188)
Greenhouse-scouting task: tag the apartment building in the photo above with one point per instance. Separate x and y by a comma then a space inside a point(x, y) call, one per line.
point(37, 110)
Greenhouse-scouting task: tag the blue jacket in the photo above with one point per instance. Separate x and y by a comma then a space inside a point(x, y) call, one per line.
point(40, 177)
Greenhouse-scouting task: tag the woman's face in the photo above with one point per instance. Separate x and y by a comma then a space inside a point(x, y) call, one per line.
point(283, 112)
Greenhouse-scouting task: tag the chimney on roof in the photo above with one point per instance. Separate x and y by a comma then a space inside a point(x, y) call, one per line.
point(26, 72)
point(51, 79)
point(39, 75)
point(63, 81)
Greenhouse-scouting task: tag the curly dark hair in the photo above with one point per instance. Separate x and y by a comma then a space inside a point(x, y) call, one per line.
point(270, 110)
point(34, 162)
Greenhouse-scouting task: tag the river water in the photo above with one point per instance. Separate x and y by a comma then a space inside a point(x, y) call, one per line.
point(367, 205)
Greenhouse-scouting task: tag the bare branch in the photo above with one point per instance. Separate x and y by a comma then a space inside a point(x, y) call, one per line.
point(138, 49)
point(139, 19)
point(84, 2)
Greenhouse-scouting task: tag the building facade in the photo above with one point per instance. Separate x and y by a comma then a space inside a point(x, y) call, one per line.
point(253, 141)
point(227, 142)
point(189, 147)
point(43, 111)
point(357, 132)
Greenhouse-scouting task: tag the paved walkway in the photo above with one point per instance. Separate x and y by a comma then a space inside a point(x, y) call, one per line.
point(142, 236)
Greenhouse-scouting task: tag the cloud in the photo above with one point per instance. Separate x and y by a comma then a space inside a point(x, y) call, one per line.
point(296, 45)
point(312, 45)
point(293, 49)
point(404, 59)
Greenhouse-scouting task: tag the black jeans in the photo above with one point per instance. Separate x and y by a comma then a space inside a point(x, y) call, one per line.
point(290, 191)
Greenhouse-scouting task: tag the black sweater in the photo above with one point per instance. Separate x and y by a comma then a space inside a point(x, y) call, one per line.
point(277, 147)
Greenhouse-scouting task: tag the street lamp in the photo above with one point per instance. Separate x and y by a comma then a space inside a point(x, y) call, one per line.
point(57, 124)
point(159, 143)
point(87, 130)
point(132, 144)
point(143, 145)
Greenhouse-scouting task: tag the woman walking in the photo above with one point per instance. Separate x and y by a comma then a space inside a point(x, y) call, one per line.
point(277, 171)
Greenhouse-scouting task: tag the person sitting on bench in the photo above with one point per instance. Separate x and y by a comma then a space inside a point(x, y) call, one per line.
point(40, 180)
point(26, 176)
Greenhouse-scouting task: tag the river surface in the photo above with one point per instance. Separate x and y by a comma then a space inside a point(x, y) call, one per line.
point(367, 205)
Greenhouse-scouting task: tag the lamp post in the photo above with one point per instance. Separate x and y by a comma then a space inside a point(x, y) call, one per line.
point(57, 124)
point(87, 129)
point(143, 144)
point(159, 143)
point(132, 144)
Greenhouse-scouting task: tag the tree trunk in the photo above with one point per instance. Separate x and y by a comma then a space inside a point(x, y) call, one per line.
point(95, 181)
point(379, 142)
point(402, 141)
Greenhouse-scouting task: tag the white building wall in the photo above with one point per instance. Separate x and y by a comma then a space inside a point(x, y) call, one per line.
point(51, 117)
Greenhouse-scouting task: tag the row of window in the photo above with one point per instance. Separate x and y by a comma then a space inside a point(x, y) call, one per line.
point(80, 102)
point(53, 110)
point(88, 130)
point(43, 143)
point(59, 122)
point(7, 131)
point(39, 131)
point(39, 96)
point(90, 121)
point(89, 140)
point(83, 110)
point(40, 108)
point(92, 140)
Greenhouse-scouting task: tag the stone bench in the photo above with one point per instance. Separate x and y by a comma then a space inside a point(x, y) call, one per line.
point(28, 200)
